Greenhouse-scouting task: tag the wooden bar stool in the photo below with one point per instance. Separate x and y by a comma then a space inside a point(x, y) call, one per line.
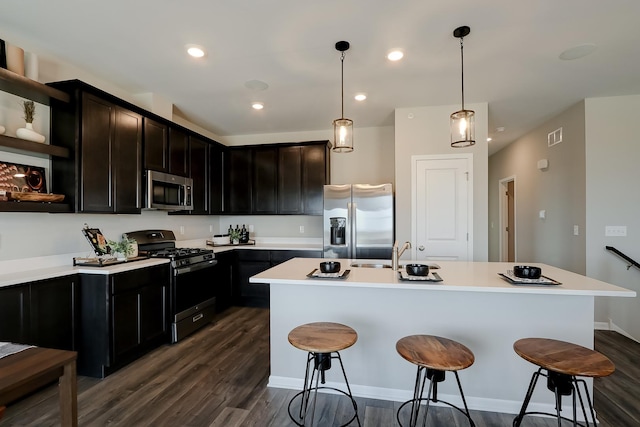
point(563, 362)
point(434, 356)
point(322, 341)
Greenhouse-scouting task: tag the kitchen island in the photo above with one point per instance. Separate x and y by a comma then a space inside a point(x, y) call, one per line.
point(472, 305)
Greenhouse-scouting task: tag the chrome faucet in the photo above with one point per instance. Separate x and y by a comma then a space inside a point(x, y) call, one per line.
point(397, 253)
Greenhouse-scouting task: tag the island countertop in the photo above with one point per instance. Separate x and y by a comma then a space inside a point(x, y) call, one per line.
point(456, 275)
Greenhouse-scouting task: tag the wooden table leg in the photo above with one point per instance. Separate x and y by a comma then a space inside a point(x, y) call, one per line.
point(68, 390)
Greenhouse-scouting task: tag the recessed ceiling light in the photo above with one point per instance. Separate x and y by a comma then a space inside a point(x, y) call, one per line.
point(257, 105)
point(578, 52)
point(489, 139)
point(195, 50)
point(395, 55)
point(360, 97)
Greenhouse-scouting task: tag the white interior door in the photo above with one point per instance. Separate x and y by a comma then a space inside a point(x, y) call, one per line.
point(442, 206)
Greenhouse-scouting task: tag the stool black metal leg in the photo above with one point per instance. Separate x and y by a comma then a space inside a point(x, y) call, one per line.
point(586, 390)
point(346, 381)
point(426, 409)
point(532, 385)
point(464, 401)
point(306, 389)
point(556, 392)
point(315, 398)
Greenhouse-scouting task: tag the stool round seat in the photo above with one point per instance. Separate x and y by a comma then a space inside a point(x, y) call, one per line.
point(564, 357)
point(323, 337)
point(434, 352)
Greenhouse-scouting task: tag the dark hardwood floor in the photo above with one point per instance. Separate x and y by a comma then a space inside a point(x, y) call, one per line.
point(218, 376)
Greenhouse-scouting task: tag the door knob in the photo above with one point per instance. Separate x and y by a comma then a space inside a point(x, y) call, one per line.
point(421, 248)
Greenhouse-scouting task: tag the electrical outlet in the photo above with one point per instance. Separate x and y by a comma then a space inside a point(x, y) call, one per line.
point(576, 230)
point(250, 228)
point(182, 229)
point(615, 231)
point(302, 229)
point(211, 229)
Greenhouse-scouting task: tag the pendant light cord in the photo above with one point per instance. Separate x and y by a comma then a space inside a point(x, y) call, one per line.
point(462, 69)
point(342, 84)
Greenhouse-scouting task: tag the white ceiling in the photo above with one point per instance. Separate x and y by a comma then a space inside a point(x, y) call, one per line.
point(511, 56)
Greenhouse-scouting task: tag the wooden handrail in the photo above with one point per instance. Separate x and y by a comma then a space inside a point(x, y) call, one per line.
point(632, 262)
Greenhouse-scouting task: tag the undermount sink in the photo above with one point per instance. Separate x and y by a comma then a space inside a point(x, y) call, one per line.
point(370, 265)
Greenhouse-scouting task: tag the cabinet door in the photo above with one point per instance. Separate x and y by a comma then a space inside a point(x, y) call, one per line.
point(127, 164)
point(249, 263)
point(153, 303)
point(199, 155)
point(155, 146)
point(53, 313)
point(314, 177)
point(289, 181)
point(178, 152)
point(96, 190)
point(14, 314)
point(124, 324)
point(265, 176)
point(216, 179)
point(238, 192)
point(224, 281)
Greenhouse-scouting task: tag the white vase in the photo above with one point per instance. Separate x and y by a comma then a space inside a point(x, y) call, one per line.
point(29, 134)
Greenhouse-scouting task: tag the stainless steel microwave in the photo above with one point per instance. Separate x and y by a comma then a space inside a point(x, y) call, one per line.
point(168, 192)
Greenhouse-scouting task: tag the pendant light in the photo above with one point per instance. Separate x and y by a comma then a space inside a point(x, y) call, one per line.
point(342, 127)
point(462, 122)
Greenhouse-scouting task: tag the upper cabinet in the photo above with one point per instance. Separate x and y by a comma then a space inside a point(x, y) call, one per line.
point(284, 179)
point(105, 176)
point(199, 172)
point(166, 148)
point(156, 145)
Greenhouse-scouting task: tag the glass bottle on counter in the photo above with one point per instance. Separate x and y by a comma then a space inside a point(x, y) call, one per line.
point(244, 235)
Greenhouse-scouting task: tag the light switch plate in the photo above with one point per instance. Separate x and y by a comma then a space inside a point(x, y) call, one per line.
point(576, 230)
point(615, 231)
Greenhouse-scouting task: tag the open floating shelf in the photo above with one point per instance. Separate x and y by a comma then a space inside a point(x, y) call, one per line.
point(32, 148)
point(34, 207)
point(21, 86)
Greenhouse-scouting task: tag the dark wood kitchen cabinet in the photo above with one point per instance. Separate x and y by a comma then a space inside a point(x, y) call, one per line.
point(302, 173)
point(166, 148)
point(107, 140)
point(199, 172)
point(238, 166)
point(250, 262)
point(217, 180)
point(156, 145)
point(284, 179)
point(14, 314)
point(41, 313)
point(224, 280)
point(123, 316)
point(265, 180)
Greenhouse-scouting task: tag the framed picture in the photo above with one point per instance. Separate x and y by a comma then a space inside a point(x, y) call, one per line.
point(22, 178)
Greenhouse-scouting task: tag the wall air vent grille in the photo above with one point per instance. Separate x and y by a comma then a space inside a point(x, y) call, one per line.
point(554, 137)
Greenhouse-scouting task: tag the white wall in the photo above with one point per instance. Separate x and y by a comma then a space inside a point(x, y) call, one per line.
point(612, 198)
point(559, 191)
point(425, 130)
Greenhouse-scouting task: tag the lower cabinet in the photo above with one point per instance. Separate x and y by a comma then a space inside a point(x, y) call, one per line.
point(250, 262)
point(224, 280)
point(41, 313)
point(123, 316)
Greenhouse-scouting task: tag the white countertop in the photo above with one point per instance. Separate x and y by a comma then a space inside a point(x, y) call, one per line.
point(456, 275)
point(14, 272)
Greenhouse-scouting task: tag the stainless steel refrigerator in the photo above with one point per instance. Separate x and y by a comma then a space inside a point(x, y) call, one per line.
point(358, 221)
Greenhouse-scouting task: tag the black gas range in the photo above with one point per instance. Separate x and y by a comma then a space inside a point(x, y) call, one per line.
point(193, 285)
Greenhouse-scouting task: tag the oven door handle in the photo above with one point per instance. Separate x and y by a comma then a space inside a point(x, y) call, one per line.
point(194, 267)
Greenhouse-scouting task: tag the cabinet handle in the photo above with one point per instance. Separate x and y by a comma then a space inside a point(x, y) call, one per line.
point(421, 248)
point(197, 317)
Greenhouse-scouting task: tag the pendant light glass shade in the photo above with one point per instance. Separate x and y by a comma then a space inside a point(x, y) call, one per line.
point(463, 128)
point(342, 127)
point(462, 122)
point(342, 135)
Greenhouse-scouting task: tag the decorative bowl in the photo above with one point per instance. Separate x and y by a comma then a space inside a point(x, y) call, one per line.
point(417, 269)
point(330, 267)
point(527, 271)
